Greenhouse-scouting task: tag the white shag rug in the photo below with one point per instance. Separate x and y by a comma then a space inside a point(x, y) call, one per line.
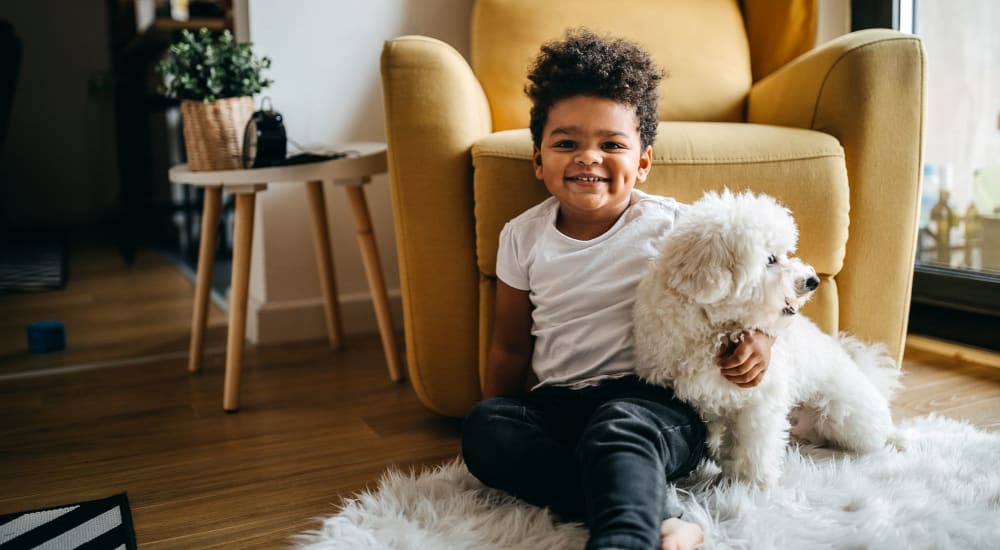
point(943, 491)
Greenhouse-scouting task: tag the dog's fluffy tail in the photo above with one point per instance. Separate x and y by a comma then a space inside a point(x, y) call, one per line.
point(875, 362)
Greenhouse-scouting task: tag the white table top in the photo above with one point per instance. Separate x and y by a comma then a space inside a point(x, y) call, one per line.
point(371, 159)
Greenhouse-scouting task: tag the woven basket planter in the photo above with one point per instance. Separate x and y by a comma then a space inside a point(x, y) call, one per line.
point(213, 132)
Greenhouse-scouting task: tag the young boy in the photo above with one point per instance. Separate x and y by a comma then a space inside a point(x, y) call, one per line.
point(590, 440)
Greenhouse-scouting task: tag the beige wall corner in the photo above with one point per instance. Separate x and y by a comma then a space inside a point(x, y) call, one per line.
point(834, 19)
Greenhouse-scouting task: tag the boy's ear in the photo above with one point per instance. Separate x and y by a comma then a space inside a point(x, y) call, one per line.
point(645, 164)
point(536, 157)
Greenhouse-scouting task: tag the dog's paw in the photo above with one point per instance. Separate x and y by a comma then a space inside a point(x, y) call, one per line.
point(715, 439)
point(751, 474)
point(897, 440)
point(765, 480)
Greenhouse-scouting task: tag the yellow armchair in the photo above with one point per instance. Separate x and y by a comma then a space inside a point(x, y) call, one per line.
point(836, 134)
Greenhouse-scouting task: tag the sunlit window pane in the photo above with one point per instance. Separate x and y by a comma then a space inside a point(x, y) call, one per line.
point(960, 197)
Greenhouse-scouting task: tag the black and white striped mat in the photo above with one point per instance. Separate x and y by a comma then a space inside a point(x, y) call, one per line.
point(97, 524)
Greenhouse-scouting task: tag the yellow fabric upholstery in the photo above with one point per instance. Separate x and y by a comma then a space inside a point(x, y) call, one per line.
point(433, 94)
point(867, 90)
point(702, 45)
point(834, 134)
point(778, 32)
point(804, 168)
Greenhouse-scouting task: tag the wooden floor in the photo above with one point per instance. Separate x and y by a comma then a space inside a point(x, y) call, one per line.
point(118, 411)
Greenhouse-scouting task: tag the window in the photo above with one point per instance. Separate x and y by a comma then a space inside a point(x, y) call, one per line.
point(956, 287)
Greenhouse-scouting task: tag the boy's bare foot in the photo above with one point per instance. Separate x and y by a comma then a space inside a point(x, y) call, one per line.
point(677, 534)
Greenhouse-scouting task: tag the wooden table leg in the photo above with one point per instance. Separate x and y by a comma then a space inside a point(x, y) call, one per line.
point(324, 262)
point(203, 285)
point(242, 240)
point(376, 284)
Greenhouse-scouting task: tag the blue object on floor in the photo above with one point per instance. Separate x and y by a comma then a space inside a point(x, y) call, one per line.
point(46, 336)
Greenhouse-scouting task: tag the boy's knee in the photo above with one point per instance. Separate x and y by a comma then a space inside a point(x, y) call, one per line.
point(482, 431)
point(477, 424)
point(627, 423)
point(619, 422)
point(486, 415)
point(637, 427)
point(624, 413)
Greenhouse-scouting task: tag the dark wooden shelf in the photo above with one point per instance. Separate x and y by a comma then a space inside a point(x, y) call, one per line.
point(168, 24)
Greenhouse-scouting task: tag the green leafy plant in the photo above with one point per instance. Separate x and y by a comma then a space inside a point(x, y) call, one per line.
point(203, 66)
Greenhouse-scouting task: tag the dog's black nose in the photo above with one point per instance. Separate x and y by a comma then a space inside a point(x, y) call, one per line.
point(812, 283)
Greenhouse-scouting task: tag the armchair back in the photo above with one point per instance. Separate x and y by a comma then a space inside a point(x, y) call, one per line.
point(702, 46)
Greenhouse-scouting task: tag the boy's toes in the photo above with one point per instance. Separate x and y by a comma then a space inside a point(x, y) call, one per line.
point(677, 534)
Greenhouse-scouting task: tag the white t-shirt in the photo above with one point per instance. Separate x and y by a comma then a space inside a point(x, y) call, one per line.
point(583, 291)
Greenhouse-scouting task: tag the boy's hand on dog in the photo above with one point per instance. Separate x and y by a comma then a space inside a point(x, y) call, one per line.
point(745, 362)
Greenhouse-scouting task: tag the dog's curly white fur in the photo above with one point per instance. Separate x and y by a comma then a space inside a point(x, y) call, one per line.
point(727, 268)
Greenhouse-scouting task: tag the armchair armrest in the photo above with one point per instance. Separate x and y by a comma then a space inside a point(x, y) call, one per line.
point(434, 110)
point(866, 89)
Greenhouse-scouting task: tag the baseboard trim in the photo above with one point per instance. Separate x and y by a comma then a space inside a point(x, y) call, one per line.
point(300, 320)
point(961, 353)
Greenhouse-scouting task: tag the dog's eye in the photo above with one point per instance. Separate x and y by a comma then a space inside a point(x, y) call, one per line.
point(772, 259)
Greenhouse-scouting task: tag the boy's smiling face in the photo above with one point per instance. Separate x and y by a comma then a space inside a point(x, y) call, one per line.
point(591, 157)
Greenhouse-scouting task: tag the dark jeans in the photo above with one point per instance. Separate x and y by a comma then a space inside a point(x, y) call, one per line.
point(601, 454)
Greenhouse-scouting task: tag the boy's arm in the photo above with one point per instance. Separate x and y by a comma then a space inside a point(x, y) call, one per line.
point(745, 364)
point(510, 350)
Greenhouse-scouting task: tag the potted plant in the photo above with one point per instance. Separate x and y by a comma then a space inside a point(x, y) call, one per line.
point(214, 77)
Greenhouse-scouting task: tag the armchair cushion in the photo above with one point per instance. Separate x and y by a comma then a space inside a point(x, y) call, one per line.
point(805, 169)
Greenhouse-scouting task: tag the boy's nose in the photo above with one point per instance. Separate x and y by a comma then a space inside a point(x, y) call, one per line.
point(588, 158)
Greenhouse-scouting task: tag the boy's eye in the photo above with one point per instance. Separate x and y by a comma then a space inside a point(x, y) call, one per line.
point(613, 145)
point(564, 144)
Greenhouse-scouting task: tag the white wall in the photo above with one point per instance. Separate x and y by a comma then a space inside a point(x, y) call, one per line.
point(833, 19)
point(325, 66)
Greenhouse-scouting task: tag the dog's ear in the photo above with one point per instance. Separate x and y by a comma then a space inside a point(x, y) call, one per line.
point(748, 263)
point(698, 266)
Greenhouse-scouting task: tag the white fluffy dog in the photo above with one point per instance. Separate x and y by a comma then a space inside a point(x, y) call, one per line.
point(727, 268)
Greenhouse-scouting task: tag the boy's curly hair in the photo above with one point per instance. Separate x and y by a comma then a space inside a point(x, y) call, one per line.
point(584, 63)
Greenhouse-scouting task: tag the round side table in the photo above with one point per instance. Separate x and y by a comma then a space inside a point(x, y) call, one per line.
point(352, 173)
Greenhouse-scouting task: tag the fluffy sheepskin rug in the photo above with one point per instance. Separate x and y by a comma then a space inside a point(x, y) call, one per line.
point(943, 491)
